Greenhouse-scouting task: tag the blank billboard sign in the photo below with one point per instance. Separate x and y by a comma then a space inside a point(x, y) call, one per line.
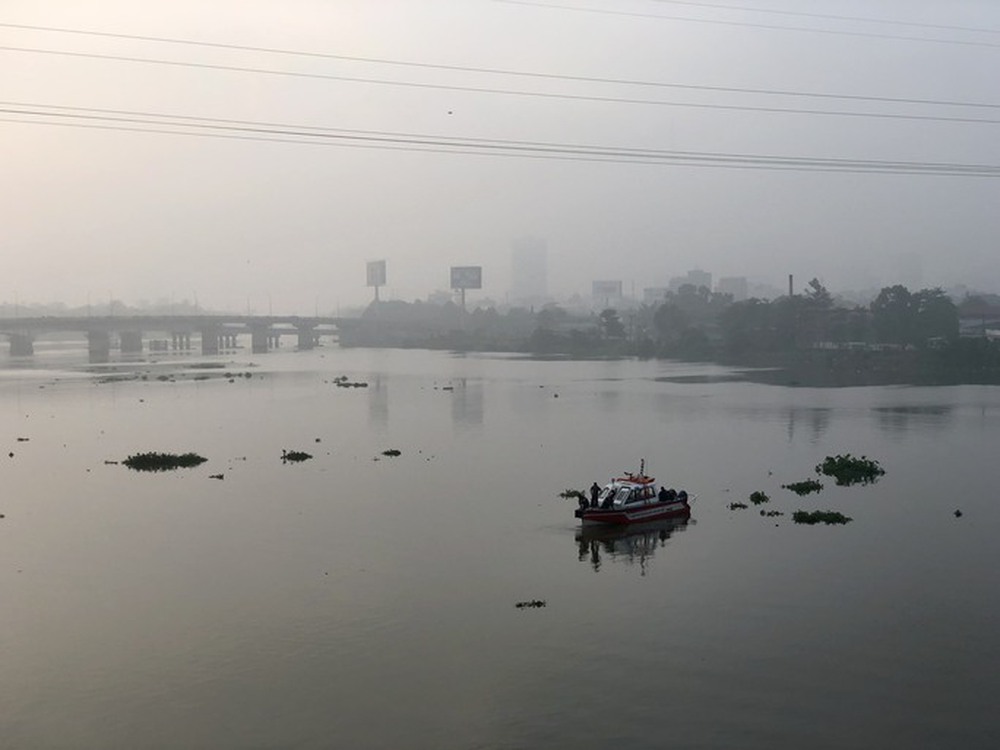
point(607, 289)
point(376, 273)
point(466, 277)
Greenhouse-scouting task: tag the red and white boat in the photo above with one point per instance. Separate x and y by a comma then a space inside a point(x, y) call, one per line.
point(633, 498)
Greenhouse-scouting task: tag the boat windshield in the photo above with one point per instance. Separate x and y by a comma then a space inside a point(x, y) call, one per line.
point(622, 497)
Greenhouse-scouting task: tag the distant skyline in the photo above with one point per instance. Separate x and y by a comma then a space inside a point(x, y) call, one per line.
point(254, 155)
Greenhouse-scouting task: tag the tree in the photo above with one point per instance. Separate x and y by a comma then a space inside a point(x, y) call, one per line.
point(670, 323)
point(936, 315)
point(610, 324)
point(892, 315)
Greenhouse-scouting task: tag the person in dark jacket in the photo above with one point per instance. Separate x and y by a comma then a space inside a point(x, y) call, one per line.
point(595, 490)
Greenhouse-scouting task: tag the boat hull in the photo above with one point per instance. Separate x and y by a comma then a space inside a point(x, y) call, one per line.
point(641, 514)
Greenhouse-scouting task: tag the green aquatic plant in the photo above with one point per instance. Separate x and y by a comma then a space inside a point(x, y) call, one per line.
point(819, 516)
point(294, 456)
point(848, 470)
point(759, 498)
point(531, 604)
point(392, 452)
point(805, 487)
point(771, 513)
point(153, 461)
point(737, 506)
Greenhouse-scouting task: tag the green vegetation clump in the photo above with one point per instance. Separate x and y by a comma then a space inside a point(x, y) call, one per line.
point(804, 487)
point(848, 470)
point(575, 494)
point(163, 461)
point(392, 452)
point(531, 604)
point(771, 513)
point(737, 506)
point(759, 498)
point(819, 516)
point(294, 456)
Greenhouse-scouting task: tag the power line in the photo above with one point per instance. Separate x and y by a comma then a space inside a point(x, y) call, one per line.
point(553, 95)
point(830, 16)
point(245, 129)
point(459, 68)
point(749, 24)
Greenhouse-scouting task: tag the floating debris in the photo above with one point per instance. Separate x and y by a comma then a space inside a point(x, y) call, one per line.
point(819, 516)
point(958, 514)
point(23, 439)
point(737, 506)
point(574, 494)
point(531, 604)
point(759, 498)
point(216, 476)
point(294, 456)
point(848, 470)
point(163, 461)
point(771, 513)
point(392, 452)
point(804, 487)
point(341, 381)
point(111, 463)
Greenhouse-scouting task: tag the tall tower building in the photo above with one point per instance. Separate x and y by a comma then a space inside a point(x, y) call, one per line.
point(529, 271)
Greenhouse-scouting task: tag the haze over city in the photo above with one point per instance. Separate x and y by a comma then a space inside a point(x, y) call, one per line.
point(256, 154)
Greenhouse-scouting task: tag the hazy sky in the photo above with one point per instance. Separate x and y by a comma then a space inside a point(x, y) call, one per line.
point(280, 198)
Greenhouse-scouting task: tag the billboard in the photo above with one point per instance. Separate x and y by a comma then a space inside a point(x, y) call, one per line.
point(466, 277)
point(376, 273)
point(607, 289)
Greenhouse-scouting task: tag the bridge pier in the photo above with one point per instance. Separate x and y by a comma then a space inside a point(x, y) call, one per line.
point(259, 339)
point(131, 342)
point(99, 345)
point(21, 345)
point(210, 340)
point(307, 338)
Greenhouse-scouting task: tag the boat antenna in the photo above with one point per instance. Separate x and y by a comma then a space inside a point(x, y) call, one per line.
point(642, 467)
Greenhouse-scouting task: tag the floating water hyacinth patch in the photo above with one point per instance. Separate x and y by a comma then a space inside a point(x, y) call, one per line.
point(153, 461)
point(759, 498)
point(819, 516)
point(848, 470)
point(805, 487)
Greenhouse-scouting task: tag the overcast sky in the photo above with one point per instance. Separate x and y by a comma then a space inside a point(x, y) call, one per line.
point(281, 197)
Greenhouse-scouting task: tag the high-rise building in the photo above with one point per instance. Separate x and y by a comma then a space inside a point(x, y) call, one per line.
point(734, 285)
point(696, 278)
point(529, 271)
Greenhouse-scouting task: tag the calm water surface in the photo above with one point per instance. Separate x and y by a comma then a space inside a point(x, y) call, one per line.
point(362, 601)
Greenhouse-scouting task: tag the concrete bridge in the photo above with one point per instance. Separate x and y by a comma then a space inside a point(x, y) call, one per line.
point(215, 332)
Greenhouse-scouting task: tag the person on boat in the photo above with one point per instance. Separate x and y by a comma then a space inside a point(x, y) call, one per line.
point(595, 490)
point(663, 496)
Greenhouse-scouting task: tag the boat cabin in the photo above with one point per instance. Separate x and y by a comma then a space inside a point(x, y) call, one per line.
point(627, 491)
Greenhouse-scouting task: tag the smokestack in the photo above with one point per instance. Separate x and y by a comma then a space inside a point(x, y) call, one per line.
point(790, 285)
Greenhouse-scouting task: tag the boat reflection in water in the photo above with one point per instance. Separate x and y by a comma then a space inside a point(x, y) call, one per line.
point(633, 544)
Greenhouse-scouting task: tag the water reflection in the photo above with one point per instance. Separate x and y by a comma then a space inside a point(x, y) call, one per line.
point(815, 420)
point(378, 401)
point(467, 402)
point(632, 545)
point(897, 419)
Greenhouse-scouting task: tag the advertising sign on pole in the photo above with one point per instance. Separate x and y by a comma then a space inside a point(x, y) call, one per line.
point(376, 273)
point(466, 277)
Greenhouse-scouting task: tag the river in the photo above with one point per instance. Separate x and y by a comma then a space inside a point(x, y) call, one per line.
point(362, 600)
